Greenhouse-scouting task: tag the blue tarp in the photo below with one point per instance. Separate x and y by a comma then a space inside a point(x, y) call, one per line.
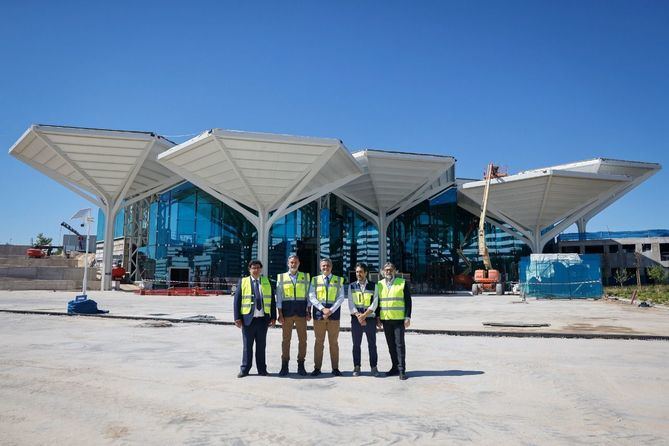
point(561, 276)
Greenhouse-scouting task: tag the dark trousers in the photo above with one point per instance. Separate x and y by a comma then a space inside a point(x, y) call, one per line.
point(394, 331)
point(370, 331)
point(255, 332)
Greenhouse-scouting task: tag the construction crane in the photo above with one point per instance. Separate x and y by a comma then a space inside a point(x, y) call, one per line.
point(487, 279)
point(71, 229)
point(80, 237)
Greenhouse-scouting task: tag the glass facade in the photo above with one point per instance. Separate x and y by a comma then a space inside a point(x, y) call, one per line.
point(347, 238)
point(295, 233)
point(421, 242)
point(118, 225)
point(195, 240)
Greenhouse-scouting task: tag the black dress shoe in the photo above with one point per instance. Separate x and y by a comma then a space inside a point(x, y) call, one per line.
point(336, 372)
point(263, 373)
point(316, 372)
point(392, 372)
point(242, 374)
point(403, 376)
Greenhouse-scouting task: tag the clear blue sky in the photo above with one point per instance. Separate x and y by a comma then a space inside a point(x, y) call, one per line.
point(523, 83)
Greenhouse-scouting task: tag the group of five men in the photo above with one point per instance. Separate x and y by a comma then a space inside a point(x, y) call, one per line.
point(297, 299)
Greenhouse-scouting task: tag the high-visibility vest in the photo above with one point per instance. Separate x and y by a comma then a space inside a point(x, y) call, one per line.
point(391, 300)
point(362, 299)
point(330, 298)
point(293, 291)
point(248, 301)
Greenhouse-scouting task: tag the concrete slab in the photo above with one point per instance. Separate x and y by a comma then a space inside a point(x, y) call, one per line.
point(97, 381)
point(466, 313)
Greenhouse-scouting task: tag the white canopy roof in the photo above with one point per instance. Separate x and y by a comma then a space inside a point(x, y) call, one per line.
point(541, 203)
point(393, 183)
point(394, 179)
point(262, 171)
point(103, 166)
point(109, 168)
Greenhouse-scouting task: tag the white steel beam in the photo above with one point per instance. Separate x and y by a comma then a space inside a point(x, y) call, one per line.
point(69, 162)
point(298, 186)
point(254, 219)
point(62, 180)
point(497, 222)
point(107, 248)
point(416, 197)
point(235, 169)
point(500, 221)
point(373, 218)
point(120, 196)
point(316, 194)
point(633, 184)
point(571, 219)
point(158, 188)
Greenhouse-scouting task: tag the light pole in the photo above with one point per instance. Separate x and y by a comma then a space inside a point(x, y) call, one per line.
point(85, 216)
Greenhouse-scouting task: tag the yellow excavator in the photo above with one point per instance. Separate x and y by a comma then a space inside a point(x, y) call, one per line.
point(487, 279)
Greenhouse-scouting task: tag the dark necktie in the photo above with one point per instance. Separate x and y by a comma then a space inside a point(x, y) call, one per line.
point(327, 285)
point(256, 294)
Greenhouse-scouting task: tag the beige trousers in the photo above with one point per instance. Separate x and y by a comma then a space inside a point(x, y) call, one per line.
point(300, 324)
point(330, 327)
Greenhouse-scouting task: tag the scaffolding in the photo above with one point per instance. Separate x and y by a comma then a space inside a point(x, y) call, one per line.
point(136, 237)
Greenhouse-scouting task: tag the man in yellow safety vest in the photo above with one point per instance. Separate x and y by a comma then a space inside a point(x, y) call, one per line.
point(292, 304)
point(394, 315)
point(254, 311)
point(326, 295)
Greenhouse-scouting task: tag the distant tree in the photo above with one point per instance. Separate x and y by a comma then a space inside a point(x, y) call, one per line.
point(42, 240)
point(657, 274)
point(621, 276)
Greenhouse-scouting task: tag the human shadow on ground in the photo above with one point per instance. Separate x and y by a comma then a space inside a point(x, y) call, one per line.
point(424, 373)
point(323, 375)
point(410, 373)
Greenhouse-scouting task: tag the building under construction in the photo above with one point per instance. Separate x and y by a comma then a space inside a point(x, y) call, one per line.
point(194, 213)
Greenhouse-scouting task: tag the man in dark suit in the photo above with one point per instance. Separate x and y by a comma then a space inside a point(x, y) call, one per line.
point(255, 311)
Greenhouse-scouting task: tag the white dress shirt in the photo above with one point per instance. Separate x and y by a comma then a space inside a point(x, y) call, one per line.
point(256, 312)
point(316, 303)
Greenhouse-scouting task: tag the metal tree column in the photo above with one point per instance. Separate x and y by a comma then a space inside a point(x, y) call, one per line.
point(383, 240)
point(581, 224)
point(108, 249)
point(263, 245)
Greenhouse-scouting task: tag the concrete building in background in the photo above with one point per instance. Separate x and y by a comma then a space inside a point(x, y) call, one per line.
point(627, 250)
point(196, 212)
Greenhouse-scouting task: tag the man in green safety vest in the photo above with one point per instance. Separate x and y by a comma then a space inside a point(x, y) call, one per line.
point(292, 304)
point(326, 295)
point(254, 311)
point(394, 315)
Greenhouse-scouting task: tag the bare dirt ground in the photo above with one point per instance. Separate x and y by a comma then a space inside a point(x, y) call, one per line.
point(75, 380)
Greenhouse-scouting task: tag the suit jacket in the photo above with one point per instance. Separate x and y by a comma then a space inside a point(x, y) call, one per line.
point(248, 318)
